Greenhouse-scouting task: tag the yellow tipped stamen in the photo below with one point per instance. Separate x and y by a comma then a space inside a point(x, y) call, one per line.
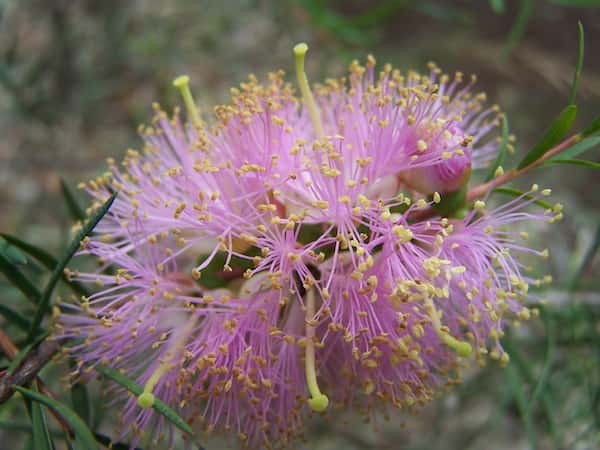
point(183, 84)
point(300, 52)
point(146, 398)
point(318, 401)
point(463, 348)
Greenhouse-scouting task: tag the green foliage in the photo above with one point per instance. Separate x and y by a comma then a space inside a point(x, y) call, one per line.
point(516, 33)
point(18, 280)
point(513, 192)
point(577, 149)
point(498, 6)
point(555, 133)
point(44, 303)
point(591, 128)
point(45, 258)
point(579, 65)
point(23, 353)
point(14, 317)
point(577, 162)
point(39, 428)
point(76, 212)
point(84, 438)
point(451, 202)
point(136, 389)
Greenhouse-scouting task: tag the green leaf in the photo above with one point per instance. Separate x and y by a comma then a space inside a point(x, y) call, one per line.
point(44, 304)
point(579, 65)
point(592, 128)
point(20, 281)
point(42, 256)
point(107, 442)
point(11, 253)
point(553, 135)
point(502, 152)
point(545, 373)
point(517, 385)
point(520, 25)
point(451, 202)
point(577, 149)
point(14, 318)
point(577, 3)
point(45, 259)
point(517, 193)
point(136, 389)
point(577, 162)
point(81, 401)
point(498, 6)
point(39, 428)
point(84, 437)
point(23, 353)
point(76, 212)
point(586, 260)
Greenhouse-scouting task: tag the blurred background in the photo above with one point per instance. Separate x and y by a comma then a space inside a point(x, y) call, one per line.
point(78, 77)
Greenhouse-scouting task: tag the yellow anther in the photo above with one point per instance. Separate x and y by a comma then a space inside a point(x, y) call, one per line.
point(404, 234)
point(499, 172)
point(421, 145)
point(300, 53)
point(183, 84)
point(321, 204)
point(479, 204)
point(318, 401)
point(436, 197)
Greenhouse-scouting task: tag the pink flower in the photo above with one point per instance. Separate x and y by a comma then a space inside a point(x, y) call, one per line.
point(331, 291)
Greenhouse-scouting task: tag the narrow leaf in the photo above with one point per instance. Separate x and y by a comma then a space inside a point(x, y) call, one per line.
point(39, 428)
point(579, 64)
point(553, 135)
point(75, 210)
point(519, 27)
point(586, 260)
point(576, 3)
point(44, 304)
point(24, 352)
point(11, 253)
point(14, 318)
point(20, 281)
point(542, 380)
point(498, 6)
point(577, 149)
point(517, 193)
point(107, 442)
point(85, 438)
point(136, 389)
point(41, 255)
point(517, 385)
point(502, 152)
point(80, 399)
point(592, 128)
point(577, 162)
point(44, 258)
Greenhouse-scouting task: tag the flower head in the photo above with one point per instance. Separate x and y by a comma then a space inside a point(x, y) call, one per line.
point(261, 267)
